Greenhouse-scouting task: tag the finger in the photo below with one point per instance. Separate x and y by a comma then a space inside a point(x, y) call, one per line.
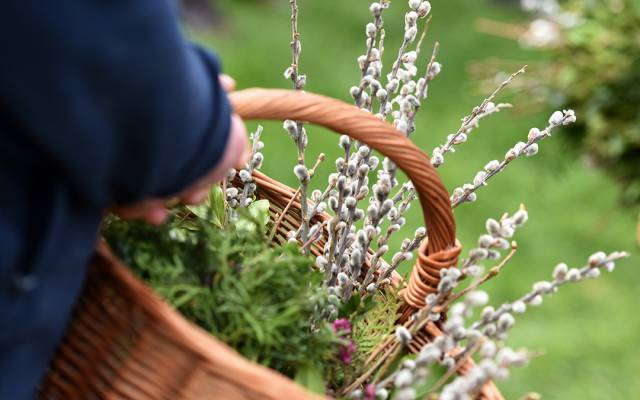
point(236, 153)
point(156, 216)
point(196, 196)
point(227, 82)
point(243, 145)
point(153, 211)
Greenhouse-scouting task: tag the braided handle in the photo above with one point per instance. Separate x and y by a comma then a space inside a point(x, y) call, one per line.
point(377, 134)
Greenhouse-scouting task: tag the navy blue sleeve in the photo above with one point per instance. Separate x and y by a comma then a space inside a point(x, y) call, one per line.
point(109, 97)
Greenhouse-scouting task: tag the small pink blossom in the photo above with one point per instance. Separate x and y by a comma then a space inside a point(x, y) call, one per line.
point(370, 392)
point(342, 326)
point(346, 352)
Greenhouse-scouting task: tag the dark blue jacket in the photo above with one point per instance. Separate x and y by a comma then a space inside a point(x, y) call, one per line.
point(101, 102)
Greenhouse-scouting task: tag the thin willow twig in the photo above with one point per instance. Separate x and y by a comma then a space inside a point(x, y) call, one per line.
point(493, 272)
point(278, 221)
point(453, 370)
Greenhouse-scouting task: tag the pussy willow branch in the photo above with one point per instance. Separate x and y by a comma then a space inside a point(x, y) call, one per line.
point(595, 263)
point(434, 305)
point(447, 375)
point(423, 36)
point(313, 237)
point(403, 46)
point(469, 122)
point(298, 84)
point(467, 192)
point(408, 103)
point(466, 121)
point(296, 47)
point(278, 221)
point(408, 245)
point(371, 67)
point(368, 57)
point(493, 272)
point(423, 89)
point(321, 201)
point(254, 163)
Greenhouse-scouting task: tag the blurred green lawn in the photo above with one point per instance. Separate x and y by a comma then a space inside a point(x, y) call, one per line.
point(587, 332)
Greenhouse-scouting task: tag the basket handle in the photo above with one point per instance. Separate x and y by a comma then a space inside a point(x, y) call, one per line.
point(441, 247)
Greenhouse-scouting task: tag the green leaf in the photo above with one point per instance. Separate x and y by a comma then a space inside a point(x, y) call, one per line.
point(255, 325)
point(213, 209)
point(246, 226)
point(200, 210)
point(260, 211)
point(182, 294)
point(256, 218)
point(311, 377)
point(216, 202)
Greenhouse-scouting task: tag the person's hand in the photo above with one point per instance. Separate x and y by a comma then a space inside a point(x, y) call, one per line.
point(236, 154)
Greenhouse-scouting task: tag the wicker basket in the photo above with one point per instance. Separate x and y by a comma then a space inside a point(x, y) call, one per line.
point(124, 342)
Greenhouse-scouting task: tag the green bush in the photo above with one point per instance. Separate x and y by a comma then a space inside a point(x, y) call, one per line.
point(264, 301)
point(595, 69)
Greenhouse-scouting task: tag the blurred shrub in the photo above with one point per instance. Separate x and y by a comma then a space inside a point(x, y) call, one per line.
point(598, 75)
point(593, 66)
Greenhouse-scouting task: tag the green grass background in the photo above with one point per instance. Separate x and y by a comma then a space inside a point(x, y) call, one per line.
point(588, 332)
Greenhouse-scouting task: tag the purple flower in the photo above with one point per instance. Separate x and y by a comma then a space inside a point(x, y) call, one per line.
point(370, 392)
point(346, 352)
point(341, 325)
